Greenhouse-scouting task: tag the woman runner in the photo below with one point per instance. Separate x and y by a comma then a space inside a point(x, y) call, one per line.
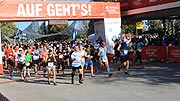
point(51, 60)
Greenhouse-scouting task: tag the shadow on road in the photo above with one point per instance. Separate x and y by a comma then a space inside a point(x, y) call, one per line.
point(152, 74)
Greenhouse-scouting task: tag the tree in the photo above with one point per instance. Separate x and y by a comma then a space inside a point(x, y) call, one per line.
point(53, 28)
point(128, 26)
point(91, 27)
point(7, 28)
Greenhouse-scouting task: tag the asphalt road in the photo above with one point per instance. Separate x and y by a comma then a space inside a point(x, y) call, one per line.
point(156, 82)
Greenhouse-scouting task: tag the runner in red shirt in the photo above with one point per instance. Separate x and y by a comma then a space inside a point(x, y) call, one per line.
point(10, 60)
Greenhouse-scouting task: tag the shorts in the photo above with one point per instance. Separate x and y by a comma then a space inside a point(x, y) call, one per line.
point(29, 66)
point(75, 68)
point(21, 65)
point(44, 64)
point(35, 62)
point(10, 62)
point(50, 65)
point(88, 63)
point(124, 58)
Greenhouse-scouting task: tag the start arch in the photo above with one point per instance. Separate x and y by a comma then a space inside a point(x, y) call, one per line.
point(107, 12)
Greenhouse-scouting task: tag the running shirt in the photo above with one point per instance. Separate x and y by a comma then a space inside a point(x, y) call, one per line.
point(21, 58)
point(50, 58)
point(139, 46)
point(44, 55)
point(35, 55)
point(103, 53)
point(9, 53)
point(76, 57)
point(28, 57)
point(124, 49)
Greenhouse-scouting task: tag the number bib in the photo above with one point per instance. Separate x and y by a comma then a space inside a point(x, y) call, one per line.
point(125, 51)
point(27, 64)
point(50, 64)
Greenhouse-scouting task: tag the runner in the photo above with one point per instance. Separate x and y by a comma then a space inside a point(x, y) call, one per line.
point(44, 63)
point(51, 60)
point(139, 45)
point(76, 57)
point(36, 57)
point(124, 54)
point(89, 62)
point(21, 63)
point(28, 63)
point(10, 60)
point(81, 49)
point(104, 59)
point(60, 61)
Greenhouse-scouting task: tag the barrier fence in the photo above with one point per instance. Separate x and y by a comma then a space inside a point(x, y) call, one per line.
point(169, 53)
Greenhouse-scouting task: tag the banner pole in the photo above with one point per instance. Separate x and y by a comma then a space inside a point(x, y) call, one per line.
point(1, 66)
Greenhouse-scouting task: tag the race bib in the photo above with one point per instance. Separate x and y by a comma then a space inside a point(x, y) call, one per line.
point(125, 51)
point(140, 50)
point(60, 56)
point(50, 64)
point(27, 64)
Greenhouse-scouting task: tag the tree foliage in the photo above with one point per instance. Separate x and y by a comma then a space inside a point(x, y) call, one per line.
point(91, 27)
point(128, 26)
point(53, 28)
point(7, 28)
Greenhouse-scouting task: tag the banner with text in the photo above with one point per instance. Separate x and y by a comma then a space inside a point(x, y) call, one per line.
point(174, 53)
point(154, 52)
point(32, 10)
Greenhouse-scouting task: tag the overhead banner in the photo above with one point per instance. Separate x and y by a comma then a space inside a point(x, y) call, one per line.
point(33, 10)
point(134, 4)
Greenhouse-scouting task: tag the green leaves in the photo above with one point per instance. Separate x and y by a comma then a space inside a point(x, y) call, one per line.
point(7, 28)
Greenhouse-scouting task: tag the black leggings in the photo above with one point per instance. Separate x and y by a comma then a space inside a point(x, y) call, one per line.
point(139, 57)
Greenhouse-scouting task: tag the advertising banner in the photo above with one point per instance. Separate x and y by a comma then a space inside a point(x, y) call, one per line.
point(154, 52)
point(33, 10)
point(174, 53)
point(133, 4)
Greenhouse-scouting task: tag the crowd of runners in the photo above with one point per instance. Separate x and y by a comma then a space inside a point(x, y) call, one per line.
point(54, 56)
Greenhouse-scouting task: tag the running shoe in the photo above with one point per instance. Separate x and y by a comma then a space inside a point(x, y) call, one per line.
point(80, 81)
point(54, 83)
point(126, 73)
point(11, 78)
point(49, 82)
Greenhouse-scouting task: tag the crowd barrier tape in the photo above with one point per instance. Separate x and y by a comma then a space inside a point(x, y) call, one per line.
point(154, 52)
point(174, 53)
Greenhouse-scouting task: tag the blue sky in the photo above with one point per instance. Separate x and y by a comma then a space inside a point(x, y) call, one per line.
point(23, 25)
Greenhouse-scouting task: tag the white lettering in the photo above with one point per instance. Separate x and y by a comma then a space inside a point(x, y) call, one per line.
point(21, 10)
point(30, 9)
point(84, 10)
point(58, 9)
point(66, 10)
point(73, 9)
point(38, 9)
point(50, 10)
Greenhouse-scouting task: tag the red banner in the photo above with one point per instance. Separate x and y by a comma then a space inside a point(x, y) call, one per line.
point(174, 53)
point(32, 10)
point(134, 4)
point(154, 52)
